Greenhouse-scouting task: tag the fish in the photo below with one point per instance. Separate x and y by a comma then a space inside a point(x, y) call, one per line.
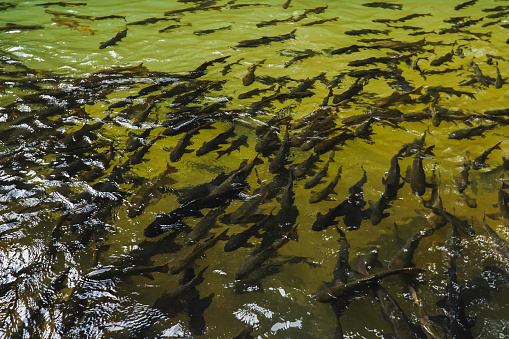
point(301, 170)
point(199, 249)
point(235, 146)
point(417, 175)
point(109, 17)
point(288, 197)
point(201, 229)
point(316, 10)
point(367, 31)
point(299, 58)
point(250, 205)
point(323, 221)
point(149, 191)
point(9, 26)
point(71, 15)
point(180, 148)
point(249, 78)
point(273, 22)
point(113, 41)
point(470, 132)
point(62, 4)
point(227, 69)
point(317, 178)
point(392, 182)
point(210, 31)
point(443, 59)
point(499, 81)
point(214, 143)
point(268, 141)
point(324, 193)
point(479, 162)
point(463, 225)
point(150, 21)
point(237, 178)
point(317, 22)
point(172, 27)
point(385, 5)
point(241, 239)
point(342, 291)
point(461, 179)
point(393, 314)
point(353, 90)
point(286, 4)
point(256, 260)
point(465, 4)
point(502, 202)
point(266, 40)
point(277, 164)
point(116, 272)
point(255, 92)
point(404, 257)
point(383, 60)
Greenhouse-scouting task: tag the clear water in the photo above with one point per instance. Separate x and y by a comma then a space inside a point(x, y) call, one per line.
point(285, 307)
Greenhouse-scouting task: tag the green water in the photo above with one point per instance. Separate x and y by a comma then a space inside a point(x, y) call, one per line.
point(285, 307)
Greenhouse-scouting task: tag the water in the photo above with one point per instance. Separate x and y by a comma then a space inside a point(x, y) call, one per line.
point(39, 244)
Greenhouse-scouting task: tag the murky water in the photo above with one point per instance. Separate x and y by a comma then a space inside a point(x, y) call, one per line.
point(77, 193)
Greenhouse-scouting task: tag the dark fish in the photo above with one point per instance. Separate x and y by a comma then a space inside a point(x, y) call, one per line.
point(353, 90)
point(479, 162)
point(367, 31)
point(435, 90)
point(299, 58)
point(385, 5)
point(465, 4)
point(210, 31)
point(323, 221)
point(322, 173)
point(461, 179)
point(199, 249)
point(499, 81)
point(268, 141)
point(404, 257)
point(250, 205)
point(238, 240)
point(286, 4)
point(288, 197)
point(266, 40)
point(375, 60)
point(62, 4)
point(235, 146)
point(502, 202)
point(213, 144)
point(316, 10)
point(171, 27)
point(180, 148)
point(342, 291)
point(324, 192)
point(149, 21)
point(301, 170)
point(392, 313)
point(237, 178)
point(279, 161)
point(109, 17)
point(256, 260)
point(331, 143)
point(317, 22)
point(12, 26)
point(378, 208)
point(201, 70)
point(470, 132)
point(273, 22)
point(113, 41)
point(462, 225)
point(443, 59)
point(417, 175)
point(392, 182)
point(227, 69)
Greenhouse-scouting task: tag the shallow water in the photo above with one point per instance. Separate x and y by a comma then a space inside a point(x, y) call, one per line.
point(61, 67)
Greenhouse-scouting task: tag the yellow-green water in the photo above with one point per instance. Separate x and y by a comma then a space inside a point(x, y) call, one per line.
point(286, 307)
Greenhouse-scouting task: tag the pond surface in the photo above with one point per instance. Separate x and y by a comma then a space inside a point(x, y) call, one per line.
point(106, 111)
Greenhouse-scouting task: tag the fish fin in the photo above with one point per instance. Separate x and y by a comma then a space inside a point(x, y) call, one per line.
point(164, 268)
point(494, 216)
point(168, 149)
point(383, 181)
point(223, 235)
